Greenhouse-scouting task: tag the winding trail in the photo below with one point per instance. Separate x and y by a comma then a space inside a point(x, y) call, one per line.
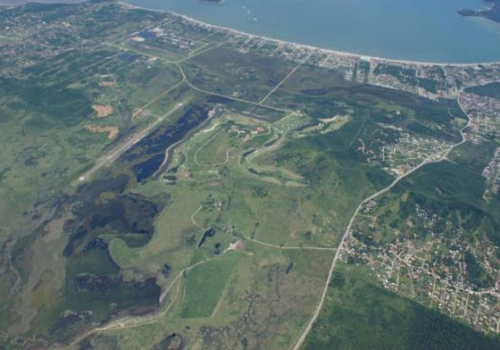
point(193, 221)
point(135, 321)
point(128, 322)
point(270, 245)
point(431, 159)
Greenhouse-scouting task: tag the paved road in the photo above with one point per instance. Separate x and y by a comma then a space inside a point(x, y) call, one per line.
point(120, 149)
point(432, 159)
point(225, 96)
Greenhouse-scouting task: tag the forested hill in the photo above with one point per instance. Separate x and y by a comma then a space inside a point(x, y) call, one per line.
point(493, 13)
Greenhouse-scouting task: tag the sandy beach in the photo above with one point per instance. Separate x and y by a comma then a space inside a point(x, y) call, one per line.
point(316, 49)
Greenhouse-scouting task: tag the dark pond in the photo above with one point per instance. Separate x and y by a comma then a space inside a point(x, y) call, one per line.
point(208, 233)
point(154, 146)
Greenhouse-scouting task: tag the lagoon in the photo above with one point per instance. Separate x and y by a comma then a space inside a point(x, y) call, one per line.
point(416, 30)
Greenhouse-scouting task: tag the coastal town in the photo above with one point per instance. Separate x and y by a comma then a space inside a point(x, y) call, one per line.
point(202, 185)
point(184, 34)
point(421, 270)
point(432, 271)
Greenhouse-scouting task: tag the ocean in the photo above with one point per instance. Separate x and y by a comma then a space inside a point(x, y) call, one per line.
point(416, 30)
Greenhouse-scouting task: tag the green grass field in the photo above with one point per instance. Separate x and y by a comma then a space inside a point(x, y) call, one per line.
point(162, 186)
point(204, 286)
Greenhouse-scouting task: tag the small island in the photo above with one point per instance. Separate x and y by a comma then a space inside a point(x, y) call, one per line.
point(492, 13)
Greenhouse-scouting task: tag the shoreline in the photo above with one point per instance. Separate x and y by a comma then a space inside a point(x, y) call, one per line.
point(310, 47)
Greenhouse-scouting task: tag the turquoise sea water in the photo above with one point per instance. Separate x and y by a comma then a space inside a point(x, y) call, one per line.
point(420, 30)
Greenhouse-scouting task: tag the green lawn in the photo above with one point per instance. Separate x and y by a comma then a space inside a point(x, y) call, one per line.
point(204, 286)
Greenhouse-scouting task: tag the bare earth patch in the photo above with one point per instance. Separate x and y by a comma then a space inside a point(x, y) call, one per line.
point(102, 111)
point(106, 83)
point(112, 131)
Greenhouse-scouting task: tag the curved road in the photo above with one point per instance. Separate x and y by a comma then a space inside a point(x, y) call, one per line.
point(432, 159)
